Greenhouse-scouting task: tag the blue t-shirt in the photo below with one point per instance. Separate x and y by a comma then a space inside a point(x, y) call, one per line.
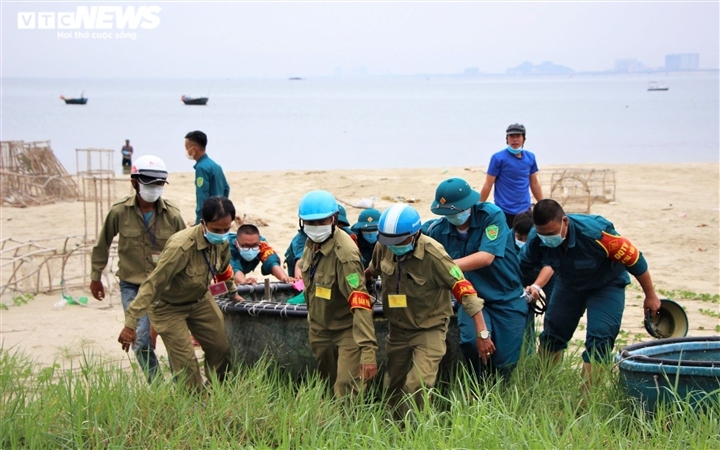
point(209, 181)
point(512, 180)
point(488, 232)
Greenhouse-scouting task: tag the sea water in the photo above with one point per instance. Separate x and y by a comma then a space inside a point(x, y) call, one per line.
point(373, 122)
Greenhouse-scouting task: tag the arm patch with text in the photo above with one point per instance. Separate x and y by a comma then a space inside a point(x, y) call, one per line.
point(619, 249)
point(462, 288)
point(265, 251)
point(360, 300)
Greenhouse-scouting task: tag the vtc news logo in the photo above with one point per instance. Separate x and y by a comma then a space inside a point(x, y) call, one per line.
point(92, 18)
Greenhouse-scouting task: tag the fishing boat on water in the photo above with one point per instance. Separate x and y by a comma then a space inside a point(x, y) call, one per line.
point(75, 101)
point(194, 100)
point(656, 86)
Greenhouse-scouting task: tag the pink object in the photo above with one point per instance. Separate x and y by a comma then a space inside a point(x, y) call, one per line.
point(299, 285)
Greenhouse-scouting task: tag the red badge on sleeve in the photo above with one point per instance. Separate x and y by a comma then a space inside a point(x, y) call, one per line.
point(360, 300)
point(226, 275)
point(462, 288)
point(619, 249)
point(265, 251)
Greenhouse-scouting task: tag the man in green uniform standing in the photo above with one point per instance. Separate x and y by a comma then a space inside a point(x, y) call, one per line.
point(144, 222)
point(209, 177)
point(178, 295)
point(342, 334)
point(419, 278)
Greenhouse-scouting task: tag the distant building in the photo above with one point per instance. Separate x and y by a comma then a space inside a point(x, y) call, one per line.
point(544, 68)
point(628, 65)
point(682, 61)
point(469, 71)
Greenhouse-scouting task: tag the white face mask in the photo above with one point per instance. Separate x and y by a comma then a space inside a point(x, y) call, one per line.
point(189, 154)
point(318, 233)
point(150, 192)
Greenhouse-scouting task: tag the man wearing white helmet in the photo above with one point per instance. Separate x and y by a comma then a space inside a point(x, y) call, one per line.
point(145, 222)
point(419, 281)
point(342, 334)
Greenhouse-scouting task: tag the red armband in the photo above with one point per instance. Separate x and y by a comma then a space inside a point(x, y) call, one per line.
point(265, 251)
point(619, 249)
point(360, 300)
point(226, 275)
point(462, 288)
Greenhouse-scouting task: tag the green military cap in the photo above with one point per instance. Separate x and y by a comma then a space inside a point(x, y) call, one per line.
point(342, 217)
point(452, 196)
point(367, 220)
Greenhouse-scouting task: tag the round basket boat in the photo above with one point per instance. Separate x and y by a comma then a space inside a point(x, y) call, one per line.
point(279, 331)
point(683, 369)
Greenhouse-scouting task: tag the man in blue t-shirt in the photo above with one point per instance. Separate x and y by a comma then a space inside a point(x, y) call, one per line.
point(209, 177)
point(513, 171)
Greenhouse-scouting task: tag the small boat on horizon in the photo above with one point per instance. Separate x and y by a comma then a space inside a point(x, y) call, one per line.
point(194, 101)
point(655, 86)
point(75, 101)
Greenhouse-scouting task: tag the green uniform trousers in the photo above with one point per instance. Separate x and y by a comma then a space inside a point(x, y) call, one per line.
point(203, 319)
point(413, 360)
point(338, 359)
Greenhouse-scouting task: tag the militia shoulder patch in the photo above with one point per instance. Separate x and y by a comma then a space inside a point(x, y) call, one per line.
point(353, 280)
point(492, 232)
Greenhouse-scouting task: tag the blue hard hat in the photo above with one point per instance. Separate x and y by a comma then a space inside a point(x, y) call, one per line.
point(367, 220)
point(397, 223)
point(453, 196)
point(342, 216)
point(317, 205)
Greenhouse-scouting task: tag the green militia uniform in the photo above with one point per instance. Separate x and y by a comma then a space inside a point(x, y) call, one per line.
point(342, 335)
point(417, 292)
point(176, 296)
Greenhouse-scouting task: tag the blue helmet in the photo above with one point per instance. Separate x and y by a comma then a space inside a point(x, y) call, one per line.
point(317, 205)
point(397, 223)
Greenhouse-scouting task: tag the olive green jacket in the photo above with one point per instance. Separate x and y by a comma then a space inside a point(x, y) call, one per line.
point(137, 244)
point(425, 277)
point(182, 274)
point(335, 291)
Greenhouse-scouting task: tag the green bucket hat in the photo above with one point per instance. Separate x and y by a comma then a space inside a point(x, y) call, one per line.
point(453, 196)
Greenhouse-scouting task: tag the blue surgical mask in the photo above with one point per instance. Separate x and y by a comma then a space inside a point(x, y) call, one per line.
point(249, 254)
point(552, 241)
point(519, 243)
point(459, 218)
point(370, 236)
point(513, 151)
point(400, 250)
point(215, 238)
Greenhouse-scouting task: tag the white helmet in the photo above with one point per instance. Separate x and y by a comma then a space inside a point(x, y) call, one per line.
point(149, 169)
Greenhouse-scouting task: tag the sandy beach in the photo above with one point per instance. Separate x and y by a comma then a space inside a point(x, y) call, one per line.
point(670, 211)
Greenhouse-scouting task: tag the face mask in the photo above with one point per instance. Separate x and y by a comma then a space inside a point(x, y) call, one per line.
point(215, 238)
point(552, 241)
point(513, 151)
point(400, 250)
point(519, 243)
point(318, 233)
point(459, 218)
point(189, 154)
point(249, 254)
point(150, 192)
point(370, 236)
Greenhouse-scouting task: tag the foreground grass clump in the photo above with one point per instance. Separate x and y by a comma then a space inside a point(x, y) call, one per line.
point(98, 405)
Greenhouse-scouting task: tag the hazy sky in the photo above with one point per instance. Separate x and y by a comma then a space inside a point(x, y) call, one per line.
point(314, 39)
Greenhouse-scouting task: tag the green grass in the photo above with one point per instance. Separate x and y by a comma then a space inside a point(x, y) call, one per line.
point(98, 405)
